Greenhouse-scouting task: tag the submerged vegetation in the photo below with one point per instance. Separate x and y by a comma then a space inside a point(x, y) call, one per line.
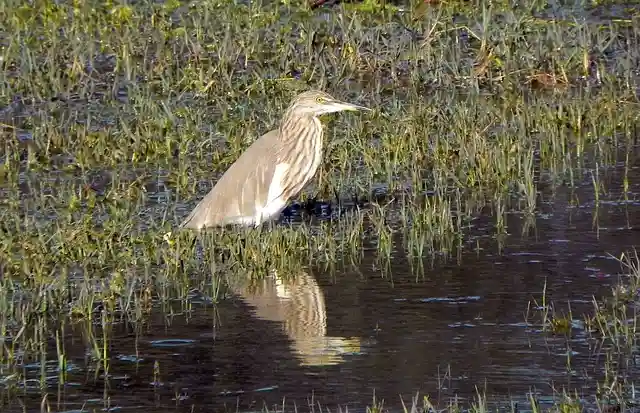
point(116, 118)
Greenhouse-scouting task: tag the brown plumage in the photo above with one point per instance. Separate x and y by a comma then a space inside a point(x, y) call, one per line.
point(276, 167)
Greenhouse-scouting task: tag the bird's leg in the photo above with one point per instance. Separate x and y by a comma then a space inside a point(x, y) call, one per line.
point(260, 234)
point(227, 250)
point(335, 193)
point(309, 205)
point(179, 257)
point(210, 252)
point(205, 243)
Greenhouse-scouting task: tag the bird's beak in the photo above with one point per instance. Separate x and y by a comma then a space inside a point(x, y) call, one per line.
point(337, 106)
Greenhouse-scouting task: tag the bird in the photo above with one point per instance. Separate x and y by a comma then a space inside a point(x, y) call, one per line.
point(272, 170)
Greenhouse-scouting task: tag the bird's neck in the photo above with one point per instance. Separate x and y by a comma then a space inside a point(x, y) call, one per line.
point(295, 123)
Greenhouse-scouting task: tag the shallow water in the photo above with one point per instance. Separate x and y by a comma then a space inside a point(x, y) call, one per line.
point(455, 327)
point(470, 323)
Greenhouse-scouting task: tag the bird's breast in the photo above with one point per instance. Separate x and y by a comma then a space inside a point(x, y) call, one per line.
point(317, 147)
point(304, 155)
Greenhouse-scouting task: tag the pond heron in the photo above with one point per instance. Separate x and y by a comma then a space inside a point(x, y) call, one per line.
point(275, 168)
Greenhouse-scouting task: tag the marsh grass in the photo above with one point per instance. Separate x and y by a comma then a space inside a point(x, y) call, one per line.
point(116, 119)
point(611, 326)
point(563, 403)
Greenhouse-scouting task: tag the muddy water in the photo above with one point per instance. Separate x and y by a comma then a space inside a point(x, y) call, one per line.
point(452, 329)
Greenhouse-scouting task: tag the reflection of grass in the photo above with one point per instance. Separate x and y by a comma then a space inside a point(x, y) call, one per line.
point(117, 118)
point(614, 323)
point(612, 329)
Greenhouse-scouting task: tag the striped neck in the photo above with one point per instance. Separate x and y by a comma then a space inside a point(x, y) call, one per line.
point(300, 147)
point(293, 126)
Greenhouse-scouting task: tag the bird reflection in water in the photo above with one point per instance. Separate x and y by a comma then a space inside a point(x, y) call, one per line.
point(297, 302)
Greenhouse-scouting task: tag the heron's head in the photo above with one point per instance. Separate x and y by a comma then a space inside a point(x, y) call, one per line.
point(316, 103)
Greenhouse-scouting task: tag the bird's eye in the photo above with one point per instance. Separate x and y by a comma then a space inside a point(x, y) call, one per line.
point(320, 99)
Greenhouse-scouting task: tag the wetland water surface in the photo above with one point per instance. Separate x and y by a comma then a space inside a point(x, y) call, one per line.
point(472, 323)
point(115, 119)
